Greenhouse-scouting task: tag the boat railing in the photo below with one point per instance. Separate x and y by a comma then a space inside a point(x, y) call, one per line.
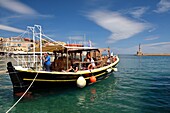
point(99, 63)
point(27, 61)
point(83, 65)
point(61, 63)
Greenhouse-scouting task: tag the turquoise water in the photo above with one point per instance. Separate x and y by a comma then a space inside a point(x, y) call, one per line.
point(141, 85)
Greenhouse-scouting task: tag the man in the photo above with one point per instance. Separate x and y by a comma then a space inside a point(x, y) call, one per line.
point(47, 62)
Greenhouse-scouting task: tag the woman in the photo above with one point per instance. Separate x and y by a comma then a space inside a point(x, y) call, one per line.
point(91, 65)
point(73, 67)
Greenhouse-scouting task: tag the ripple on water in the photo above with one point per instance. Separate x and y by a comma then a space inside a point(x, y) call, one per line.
point(142, 85)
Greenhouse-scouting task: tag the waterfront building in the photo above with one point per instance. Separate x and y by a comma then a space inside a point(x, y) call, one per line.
point(15, 44)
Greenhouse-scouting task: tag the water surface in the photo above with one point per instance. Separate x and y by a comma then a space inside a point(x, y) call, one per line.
point(141, 85)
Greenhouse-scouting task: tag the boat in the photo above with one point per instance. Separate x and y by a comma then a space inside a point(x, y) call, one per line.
point(22, 77)
point(33, 77)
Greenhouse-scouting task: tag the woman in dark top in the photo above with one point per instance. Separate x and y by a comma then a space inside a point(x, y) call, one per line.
point(73, 68)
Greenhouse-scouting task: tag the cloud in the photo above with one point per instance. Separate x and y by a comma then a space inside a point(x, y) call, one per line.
point(157, 44)
point(160, 47)
point(76, 38)
point(163, 6)
point(154, 27)
point(120, 26)
point(137, 12)
point(20, 12)
point(152, 38)
point(17, 7)
point(12, 29)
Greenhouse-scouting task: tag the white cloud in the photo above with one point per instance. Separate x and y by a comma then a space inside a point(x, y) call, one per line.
point(137, 12)
point(12, 29)
point(152, 38)
point(157, 44)
point(163, 6)
point(16, 6)
point(120, 26)
point(154, 27)
point(161, 47)
point(74, 38)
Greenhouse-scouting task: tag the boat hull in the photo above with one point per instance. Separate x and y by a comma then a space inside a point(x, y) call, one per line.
point(22, 78)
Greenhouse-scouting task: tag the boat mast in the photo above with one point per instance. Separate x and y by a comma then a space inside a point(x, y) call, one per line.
point(33, 35)
point(40, 34)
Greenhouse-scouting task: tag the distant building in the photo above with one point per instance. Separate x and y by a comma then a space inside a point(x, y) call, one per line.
point(14, 44)
point(18, 44)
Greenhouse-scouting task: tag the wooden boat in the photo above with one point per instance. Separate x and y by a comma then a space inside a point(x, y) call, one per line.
point(22, 77)
point(58, 76)
point(28, 74)
point(26, 77)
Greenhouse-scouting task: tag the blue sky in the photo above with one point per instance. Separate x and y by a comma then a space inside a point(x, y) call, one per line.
point(118, 24)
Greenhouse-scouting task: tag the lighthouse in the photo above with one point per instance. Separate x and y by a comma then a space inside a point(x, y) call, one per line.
point(139, 52)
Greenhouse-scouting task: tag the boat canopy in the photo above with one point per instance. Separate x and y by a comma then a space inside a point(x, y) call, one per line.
point(69, 49)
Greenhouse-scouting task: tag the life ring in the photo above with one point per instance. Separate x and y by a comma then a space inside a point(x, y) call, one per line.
point(114, 58)
point(90, 66)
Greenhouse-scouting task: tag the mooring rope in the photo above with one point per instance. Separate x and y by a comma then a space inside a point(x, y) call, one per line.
point(22, 95)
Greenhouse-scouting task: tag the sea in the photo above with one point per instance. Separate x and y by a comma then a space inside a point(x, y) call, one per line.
point(141, 85)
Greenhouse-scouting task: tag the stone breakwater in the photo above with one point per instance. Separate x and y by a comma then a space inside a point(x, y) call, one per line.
point(152, 54)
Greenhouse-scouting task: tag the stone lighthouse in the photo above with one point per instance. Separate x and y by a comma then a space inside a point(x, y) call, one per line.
point(139, 52)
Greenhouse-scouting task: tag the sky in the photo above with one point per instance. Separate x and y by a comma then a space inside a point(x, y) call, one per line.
point(119, 24)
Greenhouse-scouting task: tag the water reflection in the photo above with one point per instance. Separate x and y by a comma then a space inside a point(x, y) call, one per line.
point(87, 97)
point(62, 99)
point(93, 94)
point(138, 86)
point(28, 95)
point(96, 93)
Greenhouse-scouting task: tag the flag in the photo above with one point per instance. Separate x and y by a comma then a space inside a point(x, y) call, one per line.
point(89, 44)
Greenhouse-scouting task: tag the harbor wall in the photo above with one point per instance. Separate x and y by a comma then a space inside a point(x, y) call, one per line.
point(153, 54)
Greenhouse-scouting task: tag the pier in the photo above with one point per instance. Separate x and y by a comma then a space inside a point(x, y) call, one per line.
point(140, 53)
point(153, 54)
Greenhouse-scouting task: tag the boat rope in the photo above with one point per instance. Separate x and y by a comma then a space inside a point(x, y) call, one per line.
point(22, 95)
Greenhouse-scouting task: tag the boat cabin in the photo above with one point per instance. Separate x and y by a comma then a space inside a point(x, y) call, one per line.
point(81, 56)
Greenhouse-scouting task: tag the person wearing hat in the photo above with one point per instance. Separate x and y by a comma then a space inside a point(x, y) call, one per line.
point(47, 62)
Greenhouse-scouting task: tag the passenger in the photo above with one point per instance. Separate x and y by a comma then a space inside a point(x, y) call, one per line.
point(47, 62)
point(43, 59)
point(73, 68)
point(84, 65)
point(91, 65)
point(114, 58)
point(92, 62)
point(108, 60)
point(88, 57)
